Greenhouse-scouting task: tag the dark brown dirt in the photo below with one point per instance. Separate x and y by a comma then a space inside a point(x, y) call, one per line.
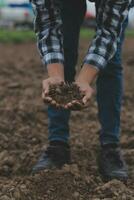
point(23, 135)
point(65, 93)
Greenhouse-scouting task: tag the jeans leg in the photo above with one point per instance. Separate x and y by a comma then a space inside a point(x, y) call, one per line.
point(109, 96)
point(73, 12)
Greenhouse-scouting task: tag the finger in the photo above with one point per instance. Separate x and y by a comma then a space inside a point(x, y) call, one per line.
point(65, 106)
point(69, 105)
point(45, 87)
point(86, 99)
point(74, 101)
point(46, 91)
point(74, 105)
point(58, 105)
point(53, 102)
point(45, 96)
point(47, 99)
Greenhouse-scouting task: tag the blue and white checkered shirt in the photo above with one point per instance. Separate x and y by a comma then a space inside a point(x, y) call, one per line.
point(48, 25)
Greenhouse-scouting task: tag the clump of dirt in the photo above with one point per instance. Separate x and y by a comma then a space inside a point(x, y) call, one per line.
point(24, 135)
point(69, 183)
point(113, 190)
point(65, 93)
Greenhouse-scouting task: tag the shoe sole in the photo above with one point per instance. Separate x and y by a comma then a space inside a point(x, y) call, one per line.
point(107, 178)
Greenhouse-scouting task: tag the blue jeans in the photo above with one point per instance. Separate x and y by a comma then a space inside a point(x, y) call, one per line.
point(109, 83)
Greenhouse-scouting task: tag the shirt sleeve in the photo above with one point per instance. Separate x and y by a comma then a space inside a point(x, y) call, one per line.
point(48, 26)
point(110, 16)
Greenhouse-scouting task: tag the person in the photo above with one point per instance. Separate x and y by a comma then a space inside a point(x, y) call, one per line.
point(57, 26)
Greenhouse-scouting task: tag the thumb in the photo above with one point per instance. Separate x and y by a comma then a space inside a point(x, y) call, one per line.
point(45, 85)
point(46, 90)
point(86, 98)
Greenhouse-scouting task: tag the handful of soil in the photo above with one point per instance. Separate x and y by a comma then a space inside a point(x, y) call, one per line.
point(65, 93)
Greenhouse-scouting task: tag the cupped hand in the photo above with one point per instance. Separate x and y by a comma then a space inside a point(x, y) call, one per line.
point(86, 92)
point(45, 91)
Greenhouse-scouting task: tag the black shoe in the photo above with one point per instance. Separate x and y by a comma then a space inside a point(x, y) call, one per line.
point(112, 164)
point(56, 155)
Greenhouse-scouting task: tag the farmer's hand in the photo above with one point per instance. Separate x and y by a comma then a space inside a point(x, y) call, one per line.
point(85, 78)
point(56, 76)
point(45, 92)
point(86, 91)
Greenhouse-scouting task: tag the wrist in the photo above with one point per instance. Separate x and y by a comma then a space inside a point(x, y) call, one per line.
point(87, 74)
point(82, 79)
point(56, 70)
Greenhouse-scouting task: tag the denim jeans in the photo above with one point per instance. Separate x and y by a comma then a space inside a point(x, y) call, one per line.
point(109, 83)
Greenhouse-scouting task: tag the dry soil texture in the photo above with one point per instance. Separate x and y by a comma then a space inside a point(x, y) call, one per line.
point(23, 134)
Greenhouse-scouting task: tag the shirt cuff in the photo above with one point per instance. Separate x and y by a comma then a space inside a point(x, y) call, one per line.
point(99, 62)
point(51, 58)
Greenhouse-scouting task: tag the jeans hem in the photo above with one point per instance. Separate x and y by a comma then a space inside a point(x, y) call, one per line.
point(58, 139)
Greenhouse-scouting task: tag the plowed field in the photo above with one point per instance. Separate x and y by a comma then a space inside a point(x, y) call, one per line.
point(23, 134)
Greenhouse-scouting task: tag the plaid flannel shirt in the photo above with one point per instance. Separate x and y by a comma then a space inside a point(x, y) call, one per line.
point(48, 27)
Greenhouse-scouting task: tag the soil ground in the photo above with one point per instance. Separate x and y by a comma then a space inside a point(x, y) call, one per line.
point(23, 134)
